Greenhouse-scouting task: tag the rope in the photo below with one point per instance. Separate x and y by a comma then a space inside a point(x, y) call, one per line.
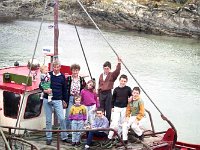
point(118, 56)
point(20, 107)
point(74, 23)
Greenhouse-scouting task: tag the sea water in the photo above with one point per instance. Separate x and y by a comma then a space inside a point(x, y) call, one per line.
point(167, 68)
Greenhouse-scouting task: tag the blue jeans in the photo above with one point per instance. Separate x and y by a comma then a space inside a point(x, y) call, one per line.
point(76, 125)
point(68, 122)
point(91, 134)
point(58, 107)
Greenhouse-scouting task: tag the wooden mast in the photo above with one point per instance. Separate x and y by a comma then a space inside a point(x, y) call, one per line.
point(56, 30)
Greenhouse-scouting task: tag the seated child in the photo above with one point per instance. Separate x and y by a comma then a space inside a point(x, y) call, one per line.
point(135, 116)
point(100, 121)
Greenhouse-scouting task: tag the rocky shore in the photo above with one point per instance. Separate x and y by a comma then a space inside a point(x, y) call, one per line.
point(153, 17)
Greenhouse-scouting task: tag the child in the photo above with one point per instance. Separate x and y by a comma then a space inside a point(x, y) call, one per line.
point(78, 116)
point(119, 103)
point(135, 116)
point(100, 121)
point(89, 99)
point(45, 81)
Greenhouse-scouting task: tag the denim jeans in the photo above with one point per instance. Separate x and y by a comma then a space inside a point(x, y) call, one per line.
point(58, 107)
point(91, 113)
point(91, 134)
point(68, 122)
point(77, 125)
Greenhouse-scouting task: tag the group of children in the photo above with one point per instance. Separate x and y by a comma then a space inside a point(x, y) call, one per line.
point(127, 111)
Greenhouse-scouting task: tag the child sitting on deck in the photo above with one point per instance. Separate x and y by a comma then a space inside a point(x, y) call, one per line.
point(89, 99)
point(77, 115)
point(135, 116)
point(100, 121)
point(45, 81)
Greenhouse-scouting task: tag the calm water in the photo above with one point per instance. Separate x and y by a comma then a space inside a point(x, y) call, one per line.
point(167, 68)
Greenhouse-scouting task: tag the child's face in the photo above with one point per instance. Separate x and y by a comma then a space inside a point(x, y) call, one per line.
point(135, 94)
point(77, 100)
point(122, 82)
point(45, 71)
point(106, 70)
point(99, 114)
point(90, 85)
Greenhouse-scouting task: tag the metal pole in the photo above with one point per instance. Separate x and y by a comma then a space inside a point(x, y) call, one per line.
point(4, 138)
point(56, 30)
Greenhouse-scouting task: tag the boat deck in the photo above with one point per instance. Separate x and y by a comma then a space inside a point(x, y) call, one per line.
point(40, 142)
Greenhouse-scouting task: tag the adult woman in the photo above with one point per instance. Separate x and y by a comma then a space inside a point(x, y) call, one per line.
point(75, 84)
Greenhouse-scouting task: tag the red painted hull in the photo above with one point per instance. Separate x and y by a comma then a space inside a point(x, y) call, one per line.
point(187, 146)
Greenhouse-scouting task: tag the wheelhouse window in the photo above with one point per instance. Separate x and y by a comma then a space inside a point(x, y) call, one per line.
point(11, 104)
point(33, 107)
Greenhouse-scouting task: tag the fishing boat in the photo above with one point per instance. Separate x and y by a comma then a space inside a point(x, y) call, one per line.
point(22, 118)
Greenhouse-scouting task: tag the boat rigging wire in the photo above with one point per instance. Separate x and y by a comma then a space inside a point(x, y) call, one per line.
point(79, 39)
point(117, 55)
point(31, 64)
point(101, 33)
point(122, 61)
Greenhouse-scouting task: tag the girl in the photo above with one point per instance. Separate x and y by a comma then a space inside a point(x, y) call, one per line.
point(89, 99)
point(78, 116)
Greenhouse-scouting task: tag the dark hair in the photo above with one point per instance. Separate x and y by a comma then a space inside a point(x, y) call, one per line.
point(100, 109)
point(75, 66)
point(107, 64)
point(123, 76)
point(136, 89)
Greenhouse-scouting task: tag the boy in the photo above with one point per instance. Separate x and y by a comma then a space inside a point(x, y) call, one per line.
point(134, 116)
point(99, 122)
point(106, 82)
point(119, 103)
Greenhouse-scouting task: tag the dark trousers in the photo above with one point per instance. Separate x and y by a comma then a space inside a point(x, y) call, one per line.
point(105, 103)
point(91, 134)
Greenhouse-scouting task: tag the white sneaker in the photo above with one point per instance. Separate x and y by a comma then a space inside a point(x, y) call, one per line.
point(87, 147)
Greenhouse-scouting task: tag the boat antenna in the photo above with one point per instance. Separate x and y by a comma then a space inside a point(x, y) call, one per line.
point(21, 104)
point(79, 39)
point(163, 117)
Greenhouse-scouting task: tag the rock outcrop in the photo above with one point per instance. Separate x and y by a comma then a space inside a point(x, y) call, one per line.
point(149, 16)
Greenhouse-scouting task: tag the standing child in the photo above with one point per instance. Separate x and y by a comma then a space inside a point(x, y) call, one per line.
point(119, 103)
point(45, 81)
point(77, 115)
point(89, 99)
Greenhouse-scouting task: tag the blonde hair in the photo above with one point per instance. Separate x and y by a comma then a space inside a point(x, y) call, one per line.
point(42, 68)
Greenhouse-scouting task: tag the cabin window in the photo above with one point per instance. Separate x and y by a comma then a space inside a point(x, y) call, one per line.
point(11, 104)
point(33, 107)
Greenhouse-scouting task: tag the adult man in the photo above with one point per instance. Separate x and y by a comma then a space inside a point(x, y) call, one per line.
point(106, 82)
point(58, 90)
